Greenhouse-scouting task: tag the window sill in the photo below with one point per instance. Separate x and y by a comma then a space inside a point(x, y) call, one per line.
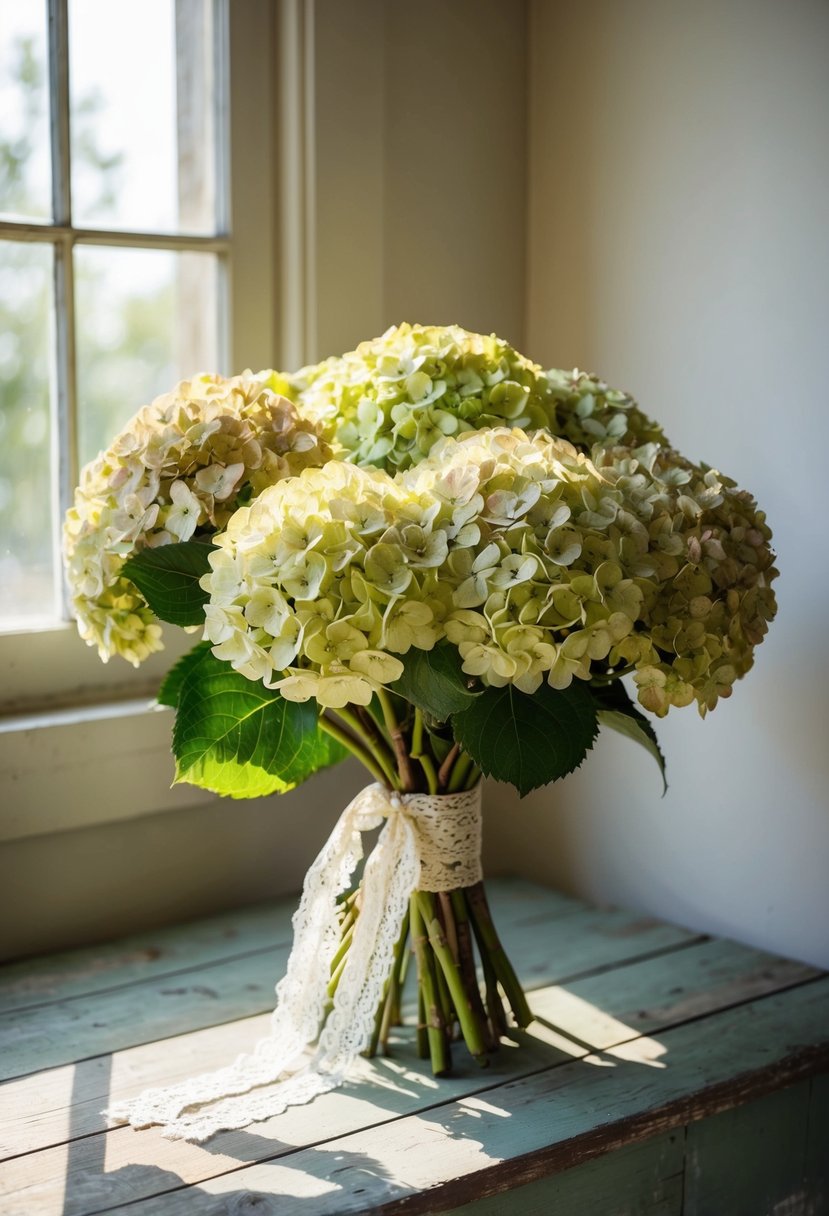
point(51, 667)
point(81, 767)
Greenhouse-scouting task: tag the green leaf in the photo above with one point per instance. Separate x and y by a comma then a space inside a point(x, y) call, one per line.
point(528, 740)
point(168, 693)
point(616, 711)
point(235, 737)
point(434, 681)
point(168, 578)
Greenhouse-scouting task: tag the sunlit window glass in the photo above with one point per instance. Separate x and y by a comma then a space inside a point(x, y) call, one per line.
point(110, 299)
point(25, 170)
point(145, 319)
point(143, 122)
point(27, 580)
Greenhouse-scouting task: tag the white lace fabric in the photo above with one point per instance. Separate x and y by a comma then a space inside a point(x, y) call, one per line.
point(428, 843)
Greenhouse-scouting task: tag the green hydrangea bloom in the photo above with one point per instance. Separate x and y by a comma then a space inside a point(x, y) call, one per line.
point(537, 561)
point(587, 411)
point(388, 402)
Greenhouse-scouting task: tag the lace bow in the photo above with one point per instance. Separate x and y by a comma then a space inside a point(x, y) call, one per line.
point(431, 843)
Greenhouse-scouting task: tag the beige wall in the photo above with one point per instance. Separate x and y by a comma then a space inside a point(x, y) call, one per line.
point(420, 167)
point(678, 203)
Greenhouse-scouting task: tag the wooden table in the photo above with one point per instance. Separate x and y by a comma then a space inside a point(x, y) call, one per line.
point(667, 1073)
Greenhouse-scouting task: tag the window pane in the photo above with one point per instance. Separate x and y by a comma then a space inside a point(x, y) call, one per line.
point(143, 114)
point(27, 585)
point(25, 173)
point(145, 319)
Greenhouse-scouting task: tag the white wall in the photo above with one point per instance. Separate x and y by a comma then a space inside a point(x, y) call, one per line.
point(679, 174)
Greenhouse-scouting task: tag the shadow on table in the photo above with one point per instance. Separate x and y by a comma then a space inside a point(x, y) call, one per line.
point(149, 1190)
point(289, 1177)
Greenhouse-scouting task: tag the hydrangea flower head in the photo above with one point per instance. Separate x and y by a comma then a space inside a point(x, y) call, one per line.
point(389, 402)
point(179, 469)
point(540, 563)
point(319, 584)
point(634, 559)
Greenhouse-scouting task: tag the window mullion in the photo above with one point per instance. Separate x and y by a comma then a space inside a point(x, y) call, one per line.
point(65, 421)
point(221, 161)
point(64, 391)
point(59, 111)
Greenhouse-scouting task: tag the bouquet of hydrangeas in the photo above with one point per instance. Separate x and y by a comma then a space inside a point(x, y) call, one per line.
point(436, 556)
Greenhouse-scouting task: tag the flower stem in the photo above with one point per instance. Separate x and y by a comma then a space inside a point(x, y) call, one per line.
point(391, 995)
point(343, 947)
point(445, 770)
point(365, 726)
point(408, 781)
point(423, 758)
point(608, 678)
point(435, 1027)
point(460, 772)
point(428, 765)
point(470, 1026)
point(417, 734)
point(357, 748)
point(444, 928)
point(422, 1034)
point(474, 777)
point(490, 946)
point(372, 738)
point(466, 962)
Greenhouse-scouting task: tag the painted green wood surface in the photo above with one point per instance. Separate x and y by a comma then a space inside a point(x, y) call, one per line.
point(574, 939)
point(72, 1181)
point(816, 1171)
point(186, 947)
point(522, 1129)
point(656, 991)
point(642, 1028)
point(640, 1180)
point(752, 1159)
point(145, 956)
point(600, 1029)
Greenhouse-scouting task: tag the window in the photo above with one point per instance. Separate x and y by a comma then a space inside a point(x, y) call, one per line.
point(116, 262)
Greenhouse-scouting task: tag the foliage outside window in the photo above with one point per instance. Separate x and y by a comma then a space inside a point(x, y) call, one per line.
point(113, 241)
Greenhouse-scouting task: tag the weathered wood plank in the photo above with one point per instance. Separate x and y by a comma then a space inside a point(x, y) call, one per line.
point(708, 975)
point(751, 1159)
point(47, 1096)
point(524, 1129)
point(816, 1170)
point(188, 946)
point(579, 939)
point(590, 936)
point(58, 977)
point(605, 1029)
point(642, 1180)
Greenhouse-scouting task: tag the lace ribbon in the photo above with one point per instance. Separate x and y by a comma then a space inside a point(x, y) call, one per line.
point(430, 843)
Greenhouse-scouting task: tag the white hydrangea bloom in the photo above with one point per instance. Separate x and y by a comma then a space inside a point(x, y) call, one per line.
point(178, 469)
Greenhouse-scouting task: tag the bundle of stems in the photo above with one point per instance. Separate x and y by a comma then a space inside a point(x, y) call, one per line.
point(448, 932)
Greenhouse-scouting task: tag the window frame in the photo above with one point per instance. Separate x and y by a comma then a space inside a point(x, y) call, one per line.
point(47, 666)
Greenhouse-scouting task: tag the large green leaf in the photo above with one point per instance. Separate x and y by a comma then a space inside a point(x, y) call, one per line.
point(168, 578)
point(168, 693)
point(434, 681)
point(616, 711)
point(528, 740)
point(235, 737)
